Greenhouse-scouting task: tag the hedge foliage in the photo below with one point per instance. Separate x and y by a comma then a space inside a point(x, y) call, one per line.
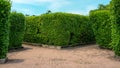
point(101, 24)
point(5, 7)
point(32, 28)
point(115, 11)
point(59, 29)
point(17, 29)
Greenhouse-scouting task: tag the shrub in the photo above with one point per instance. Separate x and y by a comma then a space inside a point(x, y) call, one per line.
point(61, 29)
point(101, 25)
point(5, 7)
point(17, 27)
point(65, 29)
point(115, 11)
point(32, 29)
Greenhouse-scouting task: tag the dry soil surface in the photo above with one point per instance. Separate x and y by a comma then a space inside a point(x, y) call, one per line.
point(90, 56)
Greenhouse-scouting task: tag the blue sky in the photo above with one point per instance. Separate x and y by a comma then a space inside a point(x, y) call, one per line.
point(37, 7)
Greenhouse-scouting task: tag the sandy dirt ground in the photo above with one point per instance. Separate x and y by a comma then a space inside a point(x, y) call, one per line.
point(79, 57)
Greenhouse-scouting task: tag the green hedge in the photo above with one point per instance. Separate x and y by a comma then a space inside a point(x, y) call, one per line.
point(101, 24)
point(17, 28)
point(59, 29)
point(32, 29)
point(5, 7)
point(115, 11)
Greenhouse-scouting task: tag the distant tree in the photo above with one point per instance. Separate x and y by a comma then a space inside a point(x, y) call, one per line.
point(33, 15)
point(48, 12)
point(103, 7)
point(27, 15)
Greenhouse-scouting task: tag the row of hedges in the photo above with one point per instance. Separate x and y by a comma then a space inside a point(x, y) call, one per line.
point(106, 26)
point(115, 11)
point(5, 7)
point(59, 29)
point(101, 24)
point(17, 28)
point(12, 26)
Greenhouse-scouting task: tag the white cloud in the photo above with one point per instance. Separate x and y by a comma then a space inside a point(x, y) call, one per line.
point(78, 12)
point(83, 12)
point(54, 5)
point(24, 10)
point(91, 8)
point(31, 1)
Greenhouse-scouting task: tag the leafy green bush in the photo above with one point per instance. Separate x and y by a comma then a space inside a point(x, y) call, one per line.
point(115, 11)
point(60, 29)
point(32, 29)
point(17, 28)
point(101, 24)
point(5, 7)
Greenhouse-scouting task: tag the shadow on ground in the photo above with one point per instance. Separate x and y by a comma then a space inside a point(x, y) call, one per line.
point(77, 46)
point(11, 61)
point(20, 49)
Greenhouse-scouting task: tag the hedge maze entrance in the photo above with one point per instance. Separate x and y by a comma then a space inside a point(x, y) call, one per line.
point(60, 29)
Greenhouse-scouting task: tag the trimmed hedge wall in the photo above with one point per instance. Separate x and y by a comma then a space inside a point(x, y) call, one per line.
point(17, 28)
point(5, 7)
point(32, 29)
point(115, 11)
point(59, 29)
point(101, 24)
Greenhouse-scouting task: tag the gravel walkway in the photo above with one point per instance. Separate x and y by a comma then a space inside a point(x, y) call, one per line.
point(80, 57)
